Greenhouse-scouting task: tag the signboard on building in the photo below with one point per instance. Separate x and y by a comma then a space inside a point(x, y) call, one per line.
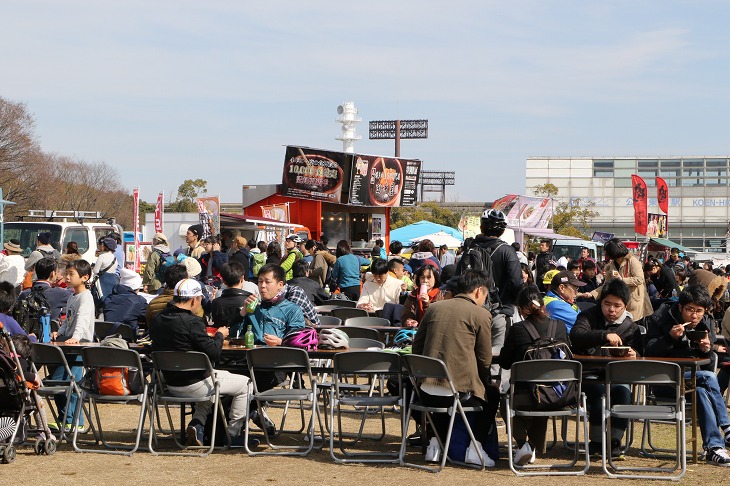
point(279, 212)
point(315, 174)
point(383, 181)
point(657, 226)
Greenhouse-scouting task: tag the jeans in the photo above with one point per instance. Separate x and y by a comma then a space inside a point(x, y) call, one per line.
point(66, 413)
point(620, 395)
point(711, 410)
point(231, 385)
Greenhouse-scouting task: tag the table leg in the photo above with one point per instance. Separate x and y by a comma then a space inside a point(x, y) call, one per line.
point(693, 383)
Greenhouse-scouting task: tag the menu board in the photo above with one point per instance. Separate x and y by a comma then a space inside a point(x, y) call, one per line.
point(315, 174)
point(384, 181)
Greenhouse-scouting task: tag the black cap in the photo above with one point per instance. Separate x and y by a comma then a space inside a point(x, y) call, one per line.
point(566, 277)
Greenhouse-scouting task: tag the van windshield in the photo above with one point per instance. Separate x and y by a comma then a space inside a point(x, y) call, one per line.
point(27, 234)
point(572, 251)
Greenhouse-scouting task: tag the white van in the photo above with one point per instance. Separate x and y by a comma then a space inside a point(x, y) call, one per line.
point(78, 229)
point(571, 247)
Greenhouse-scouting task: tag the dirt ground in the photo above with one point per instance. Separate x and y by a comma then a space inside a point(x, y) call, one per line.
point(235, 467)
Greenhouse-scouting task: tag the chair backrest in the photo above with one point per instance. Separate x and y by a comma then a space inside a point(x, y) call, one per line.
point(341, 303)
point(367, 362)
point(278, 358)
point(103, 329)
point(546, 371)
point(109, 357)
point(330, 321)
point(361, 332)
point(367, 322)
point(365, 343)
point(644, 372)
point(181, 361)
point(346, 313)
point(420, 368)
point(47, 355)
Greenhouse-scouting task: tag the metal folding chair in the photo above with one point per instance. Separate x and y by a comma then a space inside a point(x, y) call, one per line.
point(95, 358)
point(341, 303)
point(330, 321)
point(377, 365)
point(368, 321)
point(346, 313)
point(361, 332)
point(288, 360)
point(103, 329)
point(647, 373)
point(422, 368)
point(181, 362)
point(526, 374)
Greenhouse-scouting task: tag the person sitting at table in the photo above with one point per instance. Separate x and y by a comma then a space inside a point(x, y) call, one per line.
point(606, 324)
point(173, 275)
point(560, 299)
point(417, 302)
point(313, 291)
point(381, 290)
point(226, 310)
point(528, 432)
point(124, 304)
point(178, 328)
point(683, 329)
point(458, 332)
point(46, 270)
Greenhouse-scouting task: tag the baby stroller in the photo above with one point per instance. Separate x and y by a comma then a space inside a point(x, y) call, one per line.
point(20, 407)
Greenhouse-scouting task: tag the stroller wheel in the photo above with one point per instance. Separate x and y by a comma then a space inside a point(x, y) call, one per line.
point(38, 447)
point(8, 454)
point(49, 446)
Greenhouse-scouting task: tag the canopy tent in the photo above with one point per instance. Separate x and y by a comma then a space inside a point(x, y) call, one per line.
point(417, 231)
point(670, 244)
point(442, 238)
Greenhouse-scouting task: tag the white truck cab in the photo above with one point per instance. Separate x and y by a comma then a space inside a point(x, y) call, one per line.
point(83, 227)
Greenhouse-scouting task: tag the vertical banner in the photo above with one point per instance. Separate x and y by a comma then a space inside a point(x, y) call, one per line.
point(159, 208)
point(279, 212)
point(640, 201)
point(209, 215)
point(662, 194)
point(135, 198)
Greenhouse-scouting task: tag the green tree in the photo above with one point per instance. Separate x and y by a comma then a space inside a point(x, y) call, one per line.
point(430, 211)
point(570, 218)
point(188, 191)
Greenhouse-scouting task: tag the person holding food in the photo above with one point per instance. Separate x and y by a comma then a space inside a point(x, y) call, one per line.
point(684, 329)
point(426, 291)
point(607, 324)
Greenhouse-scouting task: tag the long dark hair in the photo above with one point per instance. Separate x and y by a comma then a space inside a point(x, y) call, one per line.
point(530, 303)
point(343, 248)
point(273, 250)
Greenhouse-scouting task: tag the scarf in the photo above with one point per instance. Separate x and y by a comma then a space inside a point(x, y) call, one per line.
point(280, 295)
point(431, 295)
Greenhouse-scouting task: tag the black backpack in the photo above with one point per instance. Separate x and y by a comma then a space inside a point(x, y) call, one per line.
point(479, 258)
point(33, 312)
point(554, 395)
point(50, 254)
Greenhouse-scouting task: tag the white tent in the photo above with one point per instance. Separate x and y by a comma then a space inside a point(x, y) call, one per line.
point(442, 238)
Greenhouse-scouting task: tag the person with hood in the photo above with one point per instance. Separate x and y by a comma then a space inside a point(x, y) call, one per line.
point(291, 244)
point(153, 278)
point(425, 254)
point(124, 304)
point(241, 254)
point(192, 238)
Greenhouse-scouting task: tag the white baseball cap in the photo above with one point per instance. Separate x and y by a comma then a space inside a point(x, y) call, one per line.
point(188, 287)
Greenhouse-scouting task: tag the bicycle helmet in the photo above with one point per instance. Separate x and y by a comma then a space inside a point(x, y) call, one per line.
point(404, 337)
point(333, 339)
point(301, 338)
point(494, 219)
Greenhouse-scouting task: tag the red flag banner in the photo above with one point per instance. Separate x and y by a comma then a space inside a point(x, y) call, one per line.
point(640, 213)
point(662, 194)
point(135, 196)
point(158, 214)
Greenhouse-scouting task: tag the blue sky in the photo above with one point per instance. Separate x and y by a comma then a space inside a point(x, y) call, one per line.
point(172, 90)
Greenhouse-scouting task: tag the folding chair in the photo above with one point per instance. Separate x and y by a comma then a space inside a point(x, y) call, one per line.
point(361, 332)
point(367, 322)
point(103, 329)
point(95, 358)
point(376, 365)
point(366, 343)
point(181, 362)
point(547, 371)
point(647, 373)
point(341, 303)
point(50, 357)
point(330, 321)
point(421, 368)
point(288, 360)
point(345, 313)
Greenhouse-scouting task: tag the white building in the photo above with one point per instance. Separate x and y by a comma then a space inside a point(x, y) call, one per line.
point(699, 196)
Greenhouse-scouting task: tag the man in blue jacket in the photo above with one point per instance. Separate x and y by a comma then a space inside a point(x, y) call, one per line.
point(560, 299)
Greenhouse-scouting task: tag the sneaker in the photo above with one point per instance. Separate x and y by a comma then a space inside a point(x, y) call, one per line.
point(433, 453)
point(718, 457)
point(594, 449)
point(237, 442)
point(472, 456)
point(617, 454)
point(194, 435)
point(524, 455)
point(255, 417)
point(414, 440)
point(68, 428)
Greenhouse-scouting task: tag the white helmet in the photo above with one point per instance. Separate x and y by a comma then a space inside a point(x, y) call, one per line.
point(333, 339)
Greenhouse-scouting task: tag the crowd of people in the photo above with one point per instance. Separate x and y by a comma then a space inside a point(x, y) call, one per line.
point(468, 306)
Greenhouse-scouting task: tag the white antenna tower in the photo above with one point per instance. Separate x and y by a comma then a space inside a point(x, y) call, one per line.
point(349, 120)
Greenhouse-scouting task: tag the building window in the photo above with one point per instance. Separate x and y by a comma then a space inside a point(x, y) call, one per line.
point(648, 163)
point(670, 163)
point(602, 172)
point(606, 164)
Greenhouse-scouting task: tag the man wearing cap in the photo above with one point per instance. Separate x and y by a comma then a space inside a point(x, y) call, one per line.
point(43, 249)
point(547, 279)
point(292, 254)
point(124, 304)
point(560, 300)
point(152, 279)
point(192, 238)
point(177, 328)
point(12, 265)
